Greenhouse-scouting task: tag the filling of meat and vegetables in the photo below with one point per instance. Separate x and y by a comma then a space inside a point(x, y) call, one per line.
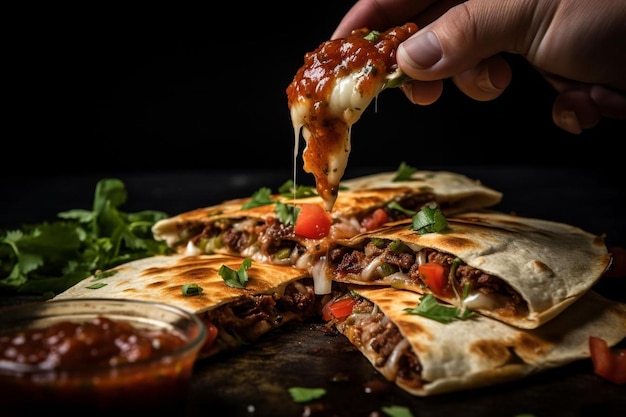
point(243, 321)
point(270, 240)
point(379, 338)
point(457, 283)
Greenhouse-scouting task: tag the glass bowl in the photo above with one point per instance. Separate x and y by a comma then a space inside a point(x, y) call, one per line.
point(97, 356)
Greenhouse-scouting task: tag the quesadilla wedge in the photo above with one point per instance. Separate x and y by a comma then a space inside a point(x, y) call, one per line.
point(272, 296)
point(522, 271)
point(328, 94)
point(262, 233)
point(425, 357)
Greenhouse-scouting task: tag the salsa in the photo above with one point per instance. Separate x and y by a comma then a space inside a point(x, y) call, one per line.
point(98, 342)
point(100, 365)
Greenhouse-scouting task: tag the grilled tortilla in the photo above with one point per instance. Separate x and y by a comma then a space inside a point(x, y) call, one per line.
point(259, 233)
point(273, 295)
point(426, 357)
point(519, 270)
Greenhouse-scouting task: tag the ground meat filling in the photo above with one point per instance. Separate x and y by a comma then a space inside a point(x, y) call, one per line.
point(353, 261)
point(248, 318)
point(370, 327)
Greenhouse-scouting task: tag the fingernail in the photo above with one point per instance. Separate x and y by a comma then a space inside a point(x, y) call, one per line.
point(569, 122)
point(423, 50)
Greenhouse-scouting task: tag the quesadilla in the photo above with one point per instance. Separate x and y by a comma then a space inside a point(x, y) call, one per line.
point(262, 234)
point(272, 296)
point(522, 271)
point(328, 94)
point(424, 356)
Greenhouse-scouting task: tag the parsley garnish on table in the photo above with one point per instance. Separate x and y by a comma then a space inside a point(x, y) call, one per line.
point(49, 257)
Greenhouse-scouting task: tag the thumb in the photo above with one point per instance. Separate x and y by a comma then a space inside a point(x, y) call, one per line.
point(465, 36)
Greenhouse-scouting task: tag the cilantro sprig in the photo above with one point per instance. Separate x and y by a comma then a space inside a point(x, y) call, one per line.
point(238, 278)
point(429, 220)
point(404, 172)
point(49, 257)
point(430, 308)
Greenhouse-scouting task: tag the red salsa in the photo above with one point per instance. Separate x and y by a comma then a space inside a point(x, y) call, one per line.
point(97, 364)
point(98, 342)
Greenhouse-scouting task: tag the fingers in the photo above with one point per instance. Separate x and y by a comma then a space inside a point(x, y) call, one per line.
point(463, 38)
point(577, 109)
point(610, 103)
point(423, 92)
point(485, 81)
point(379, 15)
point(574, 110)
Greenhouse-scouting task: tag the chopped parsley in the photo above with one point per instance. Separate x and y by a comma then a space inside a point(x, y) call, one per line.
point(192, 289)
point(429, 220)
point(397, 411)
point(430, 308)
point(404, 172)
point(238, 278)
point(303, 394)
point(261, 197)
point(301, 191)
point(287, 213)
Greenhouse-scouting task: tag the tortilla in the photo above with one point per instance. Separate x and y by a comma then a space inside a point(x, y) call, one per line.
point(428, 357)
point(259, 233)
point(273, 295)
point(519, 270)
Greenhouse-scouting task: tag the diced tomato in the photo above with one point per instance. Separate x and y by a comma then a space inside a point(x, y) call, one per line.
point(313, 222)
point(608, 364)
point(432, 274)
point(211, 331)
point(339, 309)
point(375, 220)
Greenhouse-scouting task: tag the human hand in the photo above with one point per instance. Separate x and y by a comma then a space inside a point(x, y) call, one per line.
point(577, 45)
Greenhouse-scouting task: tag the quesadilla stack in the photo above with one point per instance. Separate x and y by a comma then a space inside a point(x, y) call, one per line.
point(518, 270)
point(244, 227)
point(425, 356)
point(272, 296)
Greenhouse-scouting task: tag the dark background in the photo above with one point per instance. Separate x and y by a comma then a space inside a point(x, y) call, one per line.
point(101, 88)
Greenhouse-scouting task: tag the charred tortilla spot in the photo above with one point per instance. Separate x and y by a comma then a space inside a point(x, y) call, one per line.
point(457, 243)
point(528, 346)
point(491, 350)
point(541, 268)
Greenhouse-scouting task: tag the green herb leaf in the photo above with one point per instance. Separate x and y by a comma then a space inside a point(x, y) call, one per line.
point(192, 289)
point(236, 279)
point(430, 308)
point(50, 257)
point(397, 411)
point(303, 394)
point(429, 220)
point(372, 36)
point(287, 213)
point(261, 197)
point(301, 191)
point(404, 172)
point(96, 285)
point(394, 205)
